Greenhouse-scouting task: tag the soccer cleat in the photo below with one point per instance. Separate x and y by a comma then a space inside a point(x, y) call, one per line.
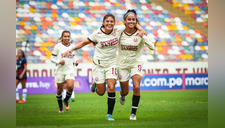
point(93, 87)
point(109, 117)
point(67, 107)
point(22, 101)
point(133, 117)
point(122, 99)
point(17, 100)
point(61, 110)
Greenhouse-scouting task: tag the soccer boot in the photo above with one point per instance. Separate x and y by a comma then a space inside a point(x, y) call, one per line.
point(133, 117)
point(109, 117)
point(93, 87)
point(67, 107)
point(122, 99)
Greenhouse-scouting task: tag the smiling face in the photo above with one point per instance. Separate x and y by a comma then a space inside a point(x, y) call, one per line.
point(66, 38)
point(130, 21)
point(109, 23)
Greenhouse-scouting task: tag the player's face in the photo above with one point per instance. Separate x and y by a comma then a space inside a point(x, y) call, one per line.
point(66, 37)
point(109, 23)
point(19, 54)
point(130, 21)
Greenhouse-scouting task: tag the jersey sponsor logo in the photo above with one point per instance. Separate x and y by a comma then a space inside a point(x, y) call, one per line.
point(110, 42)
point(129, 47)
point(68, 56)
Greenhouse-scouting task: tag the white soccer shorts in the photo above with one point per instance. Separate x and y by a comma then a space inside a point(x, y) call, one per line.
point(124, 73)
point(60, 78)
point(100, 74)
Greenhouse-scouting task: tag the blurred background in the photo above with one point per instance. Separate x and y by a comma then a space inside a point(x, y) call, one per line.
point(180, 26)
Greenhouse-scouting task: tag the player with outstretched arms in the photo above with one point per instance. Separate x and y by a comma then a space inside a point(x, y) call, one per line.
point(104, 68)
point(64, 69)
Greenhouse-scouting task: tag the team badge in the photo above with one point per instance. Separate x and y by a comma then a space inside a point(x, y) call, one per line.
point(114, 34)
point(135, 39)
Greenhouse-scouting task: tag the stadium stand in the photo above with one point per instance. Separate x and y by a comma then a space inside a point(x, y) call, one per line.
point(39, 24)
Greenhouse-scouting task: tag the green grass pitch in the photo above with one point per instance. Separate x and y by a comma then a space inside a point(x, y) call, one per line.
point(157, 109)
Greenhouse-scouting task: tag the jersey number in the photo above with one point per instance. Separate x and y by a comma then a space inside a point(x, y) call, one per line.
point(114, 71)
point(139, 67)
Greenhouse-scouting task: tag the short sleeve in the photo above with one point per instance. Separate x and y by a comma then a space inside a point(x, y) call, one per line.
point(93, 37)
point(121, 28)
point(55, 50)
point(24, 61)
point(148, 43)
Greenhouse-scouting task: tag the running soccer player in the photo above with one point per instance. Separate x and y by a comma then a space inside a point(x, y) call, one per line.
point(64, 69)
point(104, 68)
point(129, 59)
point(21, 75)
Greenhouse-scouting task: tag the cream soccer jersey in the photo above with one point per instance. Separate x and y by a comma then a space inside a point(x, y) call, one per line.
point(106, 45)
point(59, 51)
point(130, 49)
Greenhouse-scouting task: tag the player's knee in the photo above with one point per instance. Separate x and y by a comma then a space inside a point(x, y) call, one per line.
point(101, 93)
point(136, 88)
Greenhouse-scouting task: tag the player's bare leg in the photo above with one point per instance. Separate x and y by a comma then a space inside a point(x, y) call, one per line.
point(111, 98)
point(17, 91)
point(70, 85)
point(136, 95)
point(100, 89)
point(59, 96)
point(124, 91)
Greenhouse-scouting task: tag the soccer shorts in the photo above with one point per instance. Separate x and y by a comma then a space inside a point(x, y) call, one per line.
point(60, 78)
point(100, 74)
point(124, 73)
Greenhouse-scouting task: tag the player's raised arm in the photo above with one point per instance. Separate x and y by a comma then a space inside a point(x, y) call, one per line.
point(80, 45)
point(148, 43)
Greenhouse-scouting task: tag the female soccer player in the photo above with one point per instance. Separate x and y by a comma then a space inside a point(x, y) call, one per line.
point(64, 69)
point(106, 40)
point(129, 59)
point(21, 75)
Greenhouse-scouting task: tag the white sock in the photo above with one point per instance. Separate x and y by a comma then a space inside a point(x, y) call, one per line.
point(17, 94)
point(73, 95)
point(64, 94)
point(24, 94)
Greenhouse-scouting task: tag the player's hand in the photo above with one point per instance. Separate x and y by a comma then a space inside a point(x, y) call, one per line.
point(68, 52)
point(62, 62)
point(21, 76)
point(142, 33)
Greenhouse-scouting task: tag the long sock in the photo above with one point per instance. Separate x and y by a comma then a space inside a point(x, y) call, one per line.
point(135, 102)
point(24, 94)
point(111, 102)
point(73, 95)
point(17, 94)
point(64, 94)
point(59, 99)
point(68, 95)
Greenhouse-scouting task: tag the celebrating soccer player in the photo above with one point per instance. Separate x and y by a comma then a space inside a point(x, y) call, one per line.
point(104, 68)
point(64, 69)
point(129, 59)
